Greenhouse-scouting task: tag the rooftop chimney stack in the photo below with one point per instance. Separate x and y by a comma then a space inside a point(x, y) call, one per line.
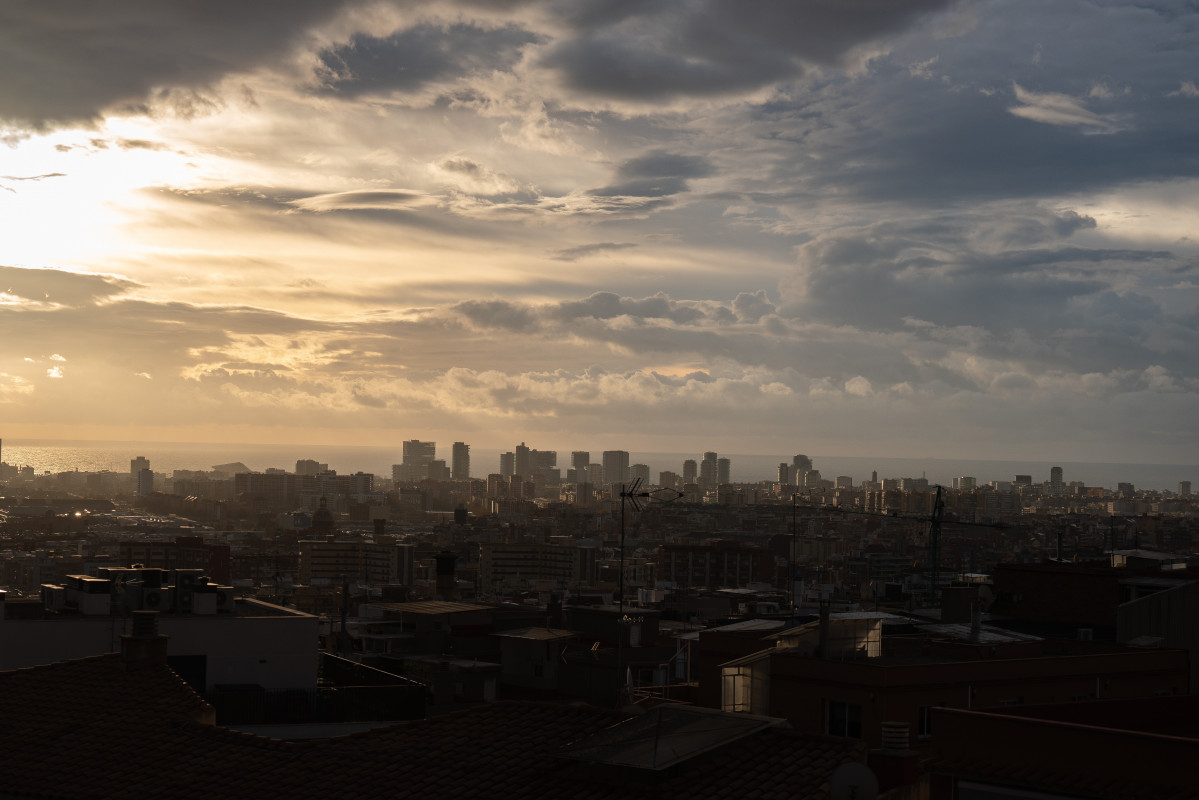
point(145, 647)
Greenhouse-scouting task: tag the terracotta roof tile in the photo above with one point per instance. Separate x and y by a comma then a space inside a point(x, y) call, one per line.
point(68, 730)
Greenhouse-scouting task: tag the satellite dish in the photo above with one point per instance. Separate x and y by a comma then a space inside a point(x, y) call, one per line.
point(853, 781)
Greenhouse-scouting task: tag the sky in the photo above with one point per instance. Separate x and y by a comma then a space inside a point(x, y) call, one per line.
point(855, 227)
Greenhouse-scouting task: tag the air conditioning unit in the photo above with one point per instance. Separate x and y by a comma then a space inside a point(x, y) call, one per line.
point(188, 577)
point(156, 599)
point(54, 597)
point(225, 599)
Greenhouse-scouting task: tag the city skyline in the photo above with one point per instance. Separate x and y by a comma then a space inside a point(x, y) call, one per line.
point(952, 228)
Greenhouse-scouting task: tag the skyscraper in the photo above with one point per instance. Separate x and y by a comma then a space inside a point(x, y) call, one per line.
point(690, 470)
point(460, 462)
point(136, 465)
point(707, 470)
point(640, 471)
point(616, 466)
point(418, 456)
point(521, 464)
point(507, 464)
point(1055, 475)
point(723, 471)
point(580, 459)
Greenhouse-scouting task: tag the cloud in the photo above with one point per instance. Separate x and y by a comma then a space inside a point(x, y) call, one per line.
point(656, 174)
point(375, 200)
point(426, 53)
point(1052, 108)
point(74, 61)
point(1185, 89)
point(657, 51)
point(582, 251)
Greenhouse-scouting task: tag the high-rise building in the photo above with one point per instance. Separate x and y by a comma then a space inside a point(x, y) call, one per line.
point(145, 482)
point(580, 460)
point(522, 464)
point(1055, 475)
point(616, 466)
point(418, 456)
point(965, 483)
point(136, 465)
point(307, 466)
point(507, 464)
point(784, 473)
point(1184, 488)
point(594, 475)
point(640, 472)
point(460, 462)
point(724, 469)
point(707, 470)
point(690, 470)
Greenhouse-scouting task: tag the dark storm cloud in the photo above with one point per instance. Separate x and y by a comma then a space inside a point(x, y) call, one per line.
point(410, 59)
point(998, 110)
point(68, 61)
point(656, 174)
point(655, 50)
point(582, 251)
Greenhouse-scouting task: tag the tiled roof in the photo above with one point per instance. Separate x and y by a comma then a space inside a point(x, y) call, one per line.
point(91, 729)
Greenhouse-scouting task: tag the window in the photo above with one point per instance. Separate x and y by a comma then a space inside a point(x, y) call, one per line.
point(736, 691)
point(844, 719)
point(924, 722)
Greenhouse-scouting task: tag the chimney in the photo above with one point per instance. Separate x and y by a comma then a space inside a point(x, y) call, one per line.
point(447, 587)
point(144, 647)
point(895, 763)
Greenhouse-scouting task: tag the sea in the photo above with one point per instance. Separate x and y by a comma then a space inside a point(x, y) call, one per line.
point(46, 455)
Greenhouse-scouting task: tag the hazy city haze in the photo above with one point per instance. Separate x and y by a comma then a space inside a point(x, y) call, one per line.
point(952, 229)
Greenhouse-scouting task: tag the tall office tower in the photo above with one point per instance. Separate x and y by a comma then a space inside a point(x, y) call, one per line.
point(1055, 475)
point(145, 482)
point(801, 464)
point(690, 470)
point(640, 471)
point(522, 465)
point(136, 465)
point(668, 479)
point(724, 469)
point(418, 456)
point(594, 474)
point(1184, 488)
point(1022, 480)
point(507, 464)
point(460, 462)
point(844, 482)
point(965, 483)
point(784, 472)
point(616, 466)
point(542, 459)
point(707, 470)
point(580, 460)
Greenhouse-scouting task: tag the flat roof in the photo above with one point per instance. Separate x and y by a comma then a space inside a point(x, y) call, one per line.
point(538, 634)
